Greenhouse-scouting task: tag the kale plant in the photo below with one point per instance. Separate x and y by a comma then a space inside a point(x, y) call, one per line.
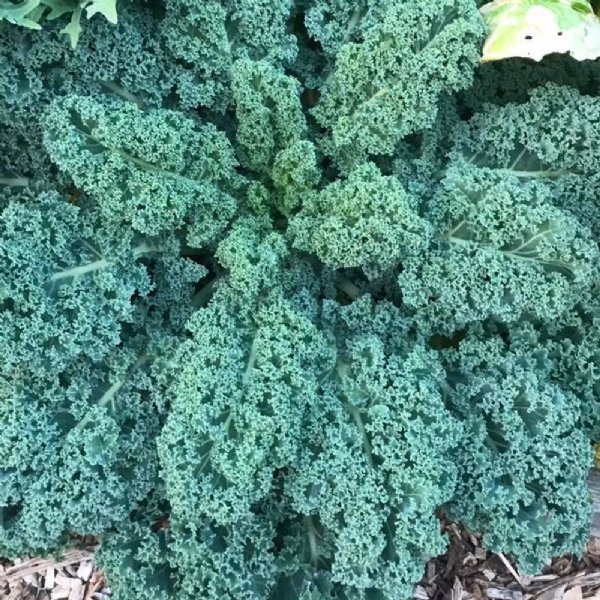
point(282, 280)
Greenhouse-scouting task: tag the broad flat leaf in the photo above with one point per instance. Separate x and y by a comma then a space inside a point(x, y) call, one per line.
point(20, 14)
point(108, 8)
point(536, 28)
point(73, 29)
point(27, 13)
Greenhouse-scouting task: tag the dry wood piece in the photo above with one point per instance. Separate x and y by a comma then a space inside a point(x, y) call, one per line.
point(504, 594)
point(76, 592)
point(594, 487)
point(49, 578)
point(553, 593)
point(60, 593)
point(22, 568)
point(510, 569)
point(97, 582)
point(457, 588)
point(85, 571)
point(574, 593)
point(72, 576)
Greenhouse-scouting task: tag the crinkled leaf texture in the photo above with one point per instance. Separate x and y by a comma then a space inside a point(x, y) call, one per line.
point(153, 170)
point(282, 281)
point(367, 106)
point(526, 457)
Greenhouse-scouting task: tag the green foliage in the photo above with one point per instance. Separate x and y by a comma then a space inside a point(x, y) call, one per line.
point(148, 169)
point(29, 13)
point(524, 255)
point(526, 455)
point(569, 347)
point(281, 281)
point(366, 220)
point(205, 39)
point(368, 106)
point(270, 118)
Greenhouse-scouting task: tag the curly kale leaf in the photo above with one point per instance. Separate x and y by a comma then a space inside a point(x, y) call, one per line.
point(335, 22)
point(502, 250)
point(92, 423)
point(242, 385)
point(65, 285)
point(154, 170)
point(387, 85)
point(138, 560)
point(252, 254)
point(525, 460)
point(268, 110)
point(205, 39)
point(377, 463)
point(568, 347)
point(366, 220)
point(551, 135)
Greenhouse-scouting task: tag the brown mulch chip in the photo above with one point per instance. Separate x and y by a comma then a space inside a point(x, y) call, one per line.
point(469, 572)
point(71, 577)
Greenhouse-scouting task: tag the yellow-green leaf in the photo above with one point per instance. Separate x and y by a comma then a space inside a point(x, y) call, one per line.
point(535, 28)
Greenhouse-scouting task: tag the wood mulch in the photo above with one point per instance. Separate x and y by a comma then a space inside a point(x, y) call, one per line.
point(71, 577)
point(466, 572)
